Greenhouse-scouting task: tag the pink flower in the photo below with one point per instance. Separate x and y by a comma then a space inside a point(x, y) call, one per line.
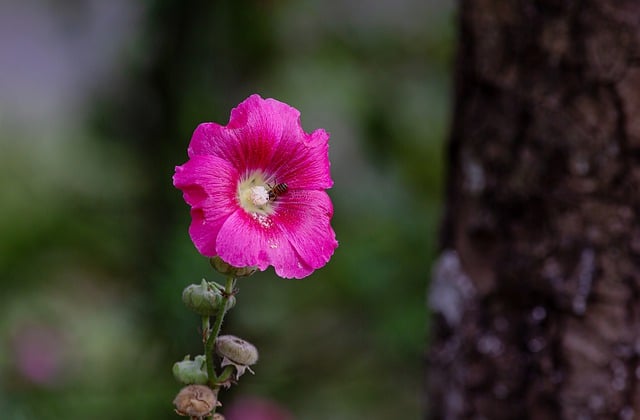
point(39, 353)
point(256, 408)
point(257, 190)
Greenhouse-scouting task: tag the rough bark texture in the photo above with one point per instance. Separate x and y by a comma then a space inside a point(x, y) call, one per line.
point(537, 289)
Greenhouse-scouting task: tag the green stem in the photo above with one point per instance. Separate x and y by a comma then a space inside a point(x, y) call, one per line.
point(213, 334)
point(206, 334)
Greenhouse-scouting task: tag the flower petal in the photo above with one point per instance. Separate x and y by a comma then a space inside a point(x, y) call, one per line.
point(305, 217)
point(302, 161)
point(255, 240)
point(208, 185)
point(291, 155)
point(265, 134)
point(250, 139)
point(204, 231)
point(213, 139)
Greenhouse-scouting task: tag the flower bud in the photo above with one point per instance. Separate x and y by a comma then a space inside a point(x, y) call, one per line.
point(236, 349)
point(218, 416)
point(190, 371)
point(195, 401)
point(205, 298)
point(229, 270)
point(237, 352)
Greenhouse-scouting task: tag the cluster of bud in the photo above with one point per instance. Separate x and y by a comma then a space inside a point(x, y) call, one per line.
point(197, 400)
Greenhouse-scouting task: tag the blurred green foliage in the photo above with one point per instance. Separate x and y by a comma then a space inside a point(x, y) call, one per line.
point(95, 250)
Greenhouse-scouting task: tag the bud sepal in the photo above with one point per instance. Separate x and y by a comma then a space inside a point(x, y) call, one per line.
point(227, 269)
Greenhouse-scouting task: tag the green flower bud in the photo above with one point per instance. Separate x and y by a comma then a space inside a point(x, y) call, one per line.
point(190, 371)
point(229, 270)
point(195, 401)
point(205, 298)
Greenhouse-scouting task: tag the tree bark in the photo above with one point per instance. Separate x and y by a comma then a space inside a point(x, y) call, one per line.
point(536, 292)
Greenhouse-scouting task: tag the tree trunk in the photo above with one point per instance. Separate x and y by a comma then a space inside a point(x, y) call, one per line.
point(536, 292)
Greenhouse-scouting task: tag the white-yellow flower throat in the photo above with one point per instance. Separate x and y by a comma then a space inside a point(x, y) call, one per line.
point(256, 195)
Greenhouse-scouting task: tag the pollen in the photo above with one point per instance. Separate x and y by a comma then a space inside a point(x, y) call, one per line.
point(259, 195)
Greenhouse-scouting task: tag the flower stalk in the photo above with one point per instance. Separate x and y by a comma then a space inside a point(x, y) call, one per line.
point(213, 333)
point(209, 299)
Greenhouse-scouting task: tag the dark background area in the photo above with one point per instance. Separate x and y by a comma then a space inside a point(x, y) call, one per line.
point(98, 101)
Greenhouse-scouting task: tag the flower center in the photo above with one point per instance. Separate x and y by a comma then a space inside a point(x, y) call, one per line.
point(253, 194)
point(259, 195)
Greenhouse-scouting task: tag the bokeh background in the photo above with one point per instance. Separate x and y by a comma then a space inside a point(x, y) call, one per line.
point(98, 100)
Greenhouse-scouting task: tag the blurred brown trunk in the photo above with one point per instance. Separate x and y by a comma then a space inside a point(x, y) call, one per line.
point(537, 289)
